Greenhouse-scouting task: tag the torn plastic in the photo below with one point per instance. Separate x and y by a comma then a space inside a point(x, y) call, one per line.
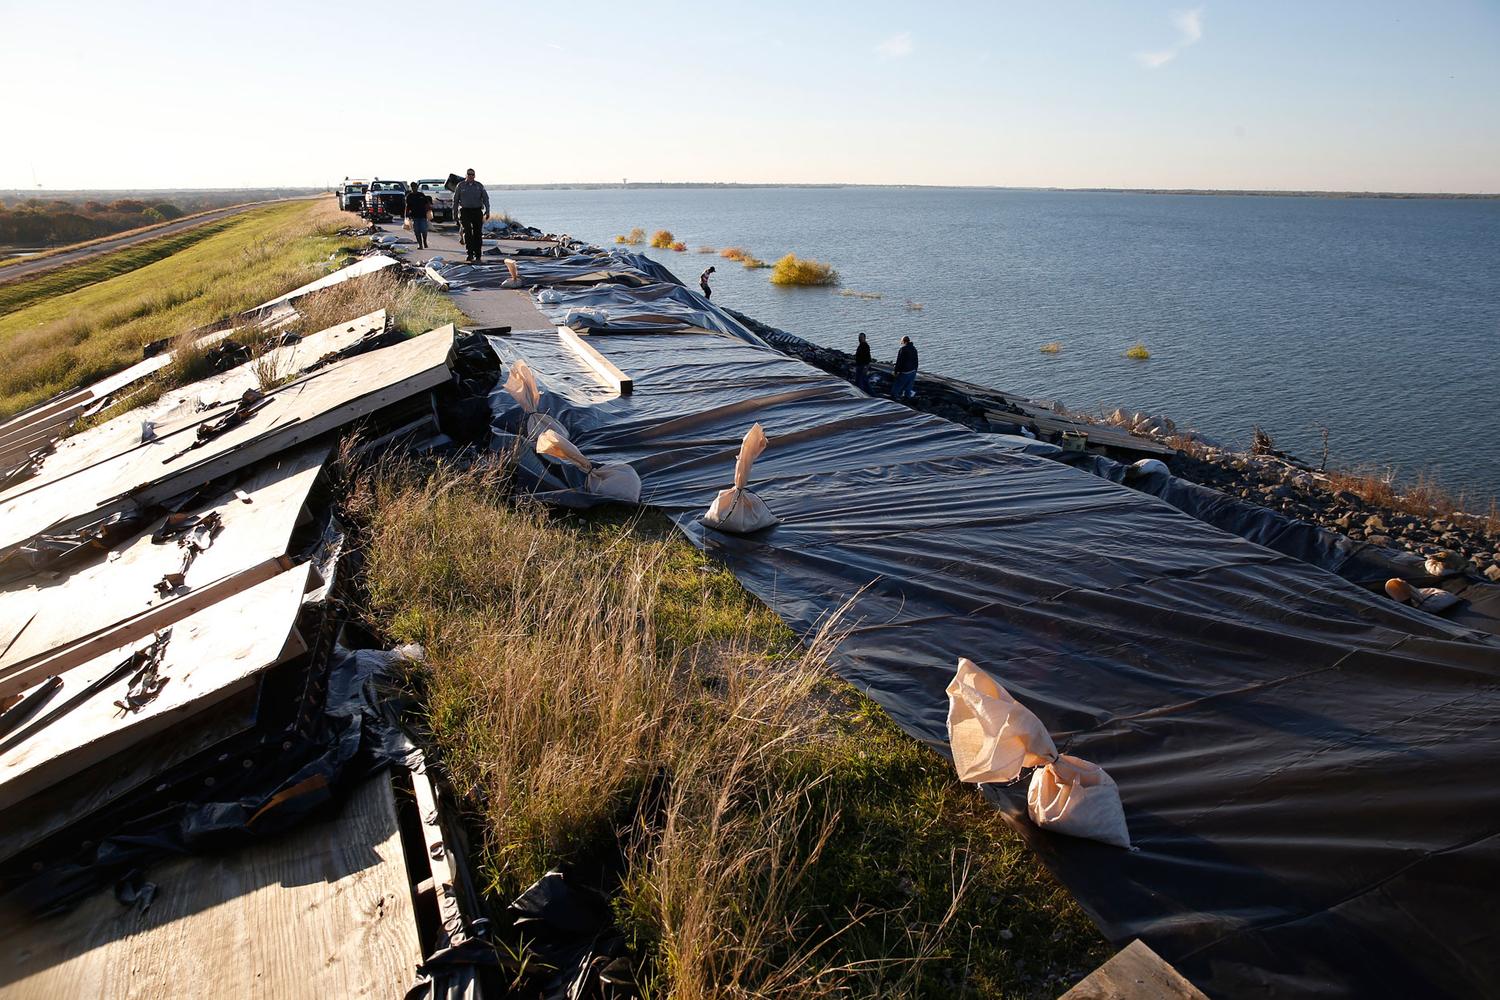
point(736, 509)
point(571, 930)
point(993, 738)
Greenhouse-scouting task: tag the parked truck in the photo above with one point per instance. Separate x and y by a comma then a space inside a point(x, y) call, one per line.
point(351, 195)
point(442, 199)
point(385, 200)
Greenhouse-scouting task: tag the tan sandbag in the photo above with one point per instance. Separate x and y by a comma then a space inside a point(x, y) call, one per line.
point(1442, 564)
point(993, 738)
point(536, 423)
point(618, 481)
point(1433, 600)
point(521, 384)
point(736, 509)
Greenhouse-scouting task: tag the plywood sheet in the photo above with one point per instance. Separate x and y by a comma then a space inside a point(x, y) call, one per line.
point(193, 404)
point(323, 912)
point(358, 269)
point(97, 603)
point(297, 412)
point(210, 656)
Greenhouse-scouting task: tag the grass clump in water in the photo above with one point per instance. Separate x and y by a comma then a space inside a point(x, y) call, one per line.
point(735, 253)
point(663, 239)
point(794, 270)
point(707, 250)
point(678, 245)
point(850, 293)
point(634, 238)
point(1052, 348)
point(1138, 352)
point(601, 690)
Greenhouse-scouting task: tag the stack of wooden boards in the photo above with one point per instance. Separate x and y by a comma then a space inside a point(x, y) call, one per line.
point(211, 582)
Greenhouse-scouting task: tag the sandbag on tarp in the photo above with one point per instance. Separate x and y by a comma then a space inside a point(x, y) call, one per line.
point(578, 269)
point(1359, 562)
point(737, 509)
point(1305, 766)
point(662, 307)
point(616, 481)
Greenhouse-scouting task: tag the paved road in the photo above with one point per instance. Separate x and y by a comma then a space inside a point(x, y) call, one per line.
point(31, 268)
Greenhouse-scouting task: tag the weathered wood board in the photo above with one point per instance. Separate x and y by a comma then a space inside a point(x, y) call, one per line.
point(1135, 973)
point(324, 912)
point(358, 269)
point(598, 365)
point(193, 404)
point(299, 411)
point(50, 625)
point(210, 656)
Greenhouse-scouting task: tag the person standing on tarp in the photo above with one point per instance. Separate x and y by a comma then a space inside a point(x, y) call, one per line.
point(472, 202)
point(905, 386)
point(862, 364)
point(708, 293)
point(419, 211)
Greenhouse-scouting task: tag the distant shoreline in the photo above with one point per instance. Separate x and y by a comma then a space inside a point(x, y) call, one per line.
point(8, 195)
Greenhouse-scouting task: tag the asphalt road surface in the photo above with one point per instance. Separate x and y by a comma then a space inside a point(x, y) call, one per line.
point(31, 268)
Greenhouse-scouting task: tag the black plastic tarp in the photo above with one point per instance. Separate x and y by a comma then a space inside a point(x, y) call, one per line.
point(1306, 766)
point(663, 307)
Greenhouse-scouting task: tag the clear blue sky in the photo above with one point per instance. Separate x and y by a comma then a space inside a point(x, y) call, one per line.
point(1327, 94)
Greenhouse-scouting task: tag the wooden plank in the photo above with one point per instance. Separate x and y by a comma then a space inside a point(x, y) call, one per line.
point(1135, 973)
point(443, 864)
point(59, 806)
point(358, 269)
point(50, 625)
point(601, 367)
point(324, 912)
point(194, 404)
point(210, 656)
point(1098, 434)
point(299, 411)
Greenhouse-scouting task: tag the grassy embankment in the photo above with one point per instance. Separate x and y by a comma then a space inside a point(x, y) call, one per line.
point(72, 326)
point(609, 699)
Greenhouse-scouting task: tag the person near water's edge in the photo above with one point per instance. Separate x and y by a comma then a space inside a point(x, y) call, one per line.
point(862, 364)
point(472, 203)
point(905, 386)
point(419, 211)
point(708, 293)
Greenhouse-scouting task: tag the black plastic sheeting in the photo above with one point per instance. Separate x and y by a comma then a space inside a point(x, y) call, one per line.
point(1307, 767)
point(620, 267)
point(663, 307)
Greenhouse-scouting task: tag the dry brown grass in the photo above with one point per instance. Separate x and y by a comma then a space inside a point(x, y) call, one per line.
point(410, 308)
point(735, 253)
point(794, 270)
point(599, 689)
point(634, 238)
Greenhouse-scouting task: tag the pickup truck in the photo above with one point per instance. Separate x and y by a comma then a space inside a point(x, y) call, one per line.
point(385, 200)
point(351, 195)
point(442, 199)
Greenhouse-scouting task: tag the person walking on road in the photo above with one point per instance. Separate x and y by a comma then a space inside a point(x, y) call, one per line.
point(862, 364)
point(905, 386)
point(419, 211)
point(472, 202)
point(708, 293)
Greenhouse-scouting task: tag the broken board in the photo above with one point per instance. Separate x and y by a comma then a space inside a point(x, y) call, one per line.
point(199, 401)
point(358, 269)
point(299, 411)
point(209, 657)
point(49, 626)
point(324, 911)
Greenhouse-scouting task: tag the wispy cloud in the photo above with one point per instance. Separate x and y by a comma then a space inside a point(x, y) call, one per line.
point(1189, 25)
point(896, 46)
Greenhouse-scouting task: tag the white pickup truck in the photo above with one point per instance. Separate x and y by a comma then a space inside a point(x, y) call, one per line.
point(442, 198)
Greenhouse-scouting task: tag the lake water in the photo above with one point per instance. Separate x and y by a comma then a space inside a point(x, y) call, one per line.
point(1378, 319)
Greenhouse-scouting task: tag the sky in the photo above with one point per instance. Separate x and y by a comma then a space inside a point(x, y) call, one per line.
point(1254, 94)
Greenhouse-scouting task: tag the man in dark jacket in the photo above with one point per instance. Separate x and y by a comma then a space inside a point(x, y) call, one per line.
point(905, 386)
point(472, 203)
point(862, 364)
point(708, 293)
point(418, 210)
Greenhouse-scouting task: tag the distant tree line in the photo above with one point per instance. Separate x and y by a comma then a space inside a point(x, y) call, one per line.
point(36, 223)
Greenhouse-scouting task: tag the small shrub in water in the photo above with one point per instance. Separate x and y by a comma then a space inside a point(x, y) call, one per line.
point(793, 270)
point(707, 250)
point(735, 253)
point(635, 238)
point(1138, 352)
point(754, 263)
point(913, 306)
point(679, 246)
point(662, 239)
point(1052, 348)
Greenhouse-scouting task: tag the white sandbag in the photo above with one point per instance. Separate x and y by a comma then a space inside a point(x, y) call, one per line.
point(549, 295)
point(1148, 468)
point(993, 738)
point(585, 318)
point(1433, 600)
point(736, 509)
point(1442, 564)
point(618, 482)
